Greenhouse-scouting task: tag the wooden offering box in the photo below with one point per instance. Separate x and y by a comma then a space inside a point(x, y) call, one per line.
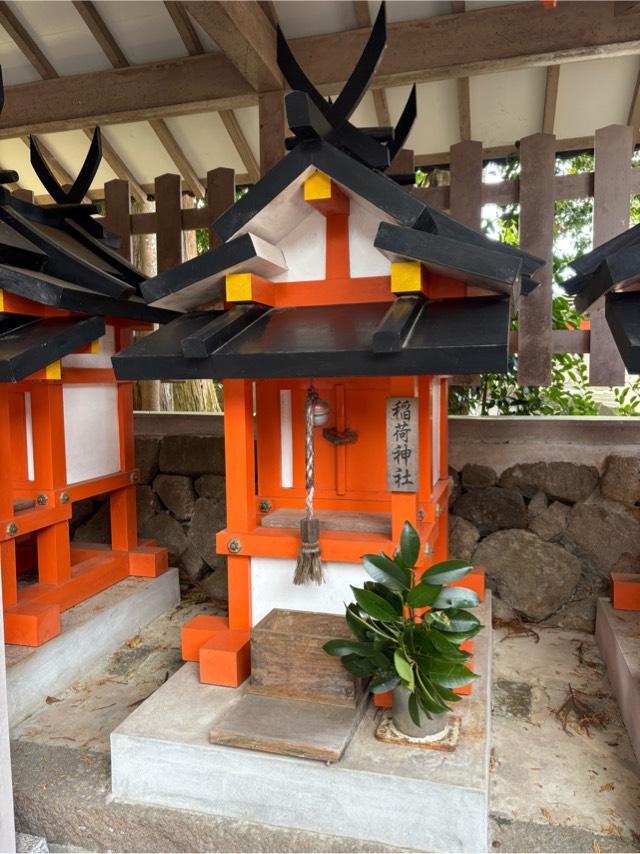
point(287, 659)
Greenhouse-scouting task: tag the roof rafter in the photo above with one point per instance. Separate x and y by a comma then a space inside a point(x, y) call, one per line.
point(114, 53)
point(45, 69)
point(242, 30)
point(193, 44)
point(634, 110)
point(550, 98)
point(440, 48)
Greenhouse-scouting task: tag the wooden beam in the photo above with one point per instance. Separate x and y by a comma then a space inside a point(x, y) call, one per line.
point(101, 33)
point(444, 47)
point(464, 108)
point(242, 146)
point(634, 110)
point(245, 35)
point(550, 99)
point(177, 155)
point(26, 43)
point(458, 6)
point(193, 44)
point(271, 119)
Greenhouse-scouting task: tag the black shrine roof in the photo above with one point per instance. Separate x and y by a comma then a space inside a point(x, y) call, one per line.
point(623, 316)
point(406, 337)
point(28, 344)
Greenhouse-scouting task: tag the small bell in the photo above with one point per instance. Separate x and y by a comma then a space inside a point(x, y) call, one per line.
point(321, 412)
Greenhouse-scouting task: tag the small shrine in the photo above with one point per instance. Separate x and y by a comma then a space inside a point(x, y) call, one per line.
point(68, 302)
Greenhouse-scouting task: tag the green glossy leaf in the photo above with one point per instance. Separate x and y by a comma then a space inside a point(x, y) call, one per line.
point(404, 669)
point(414, 711)
point(455, 620)
point(460, 637)
point(428, 699)
point(456, 597)
point(375, 605)
point(362, 667)
point(422, 595)
point(394, 599)
point(409, 545)
point(451, 675)
point(354, 621)
point(386, 571)
point(341, 647)
point(384, 682)
point(443, 645)
point(445, 695)
point(446, 572)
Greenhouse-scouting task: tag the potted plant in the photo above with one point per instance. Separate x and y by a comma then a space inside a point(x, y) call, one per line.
point(407, 635)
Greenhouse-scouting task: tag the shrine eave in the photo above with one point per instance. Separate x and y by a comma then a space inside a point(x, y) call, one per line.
point(615, 272)
point(28, 344)
point(623, 316)
point(407, 337)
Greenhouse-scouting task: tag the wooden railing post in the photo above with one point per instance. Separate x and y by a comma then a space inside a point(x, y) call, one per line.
point(221, 194)
point(611, 206)
point(117, 197)
point(537, 211)
point(465, 191)
point(168, 193)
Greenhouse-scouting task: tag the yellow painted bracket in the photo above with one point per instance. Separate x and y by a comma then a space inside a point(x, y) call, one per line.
point(53, 371)
point(406, 277)
point(317, 187)
point(239, 287)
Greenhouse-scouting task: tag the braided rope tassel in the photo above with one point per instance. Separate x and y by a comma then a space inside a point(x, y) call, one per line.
point(309, 564)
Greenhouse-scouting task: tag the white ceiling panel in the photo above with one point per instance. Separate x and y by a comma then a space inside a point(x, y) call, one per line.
point(141, 149)
point(70, 149)
point(364, 116)
point(205, 142)
point(16, 68)
point(314, 17)
point(594, 94)
point(14, 154)
point(436, 125)
point(250, 125)
point(142, 28)
point(508, 106)
point(61, 34)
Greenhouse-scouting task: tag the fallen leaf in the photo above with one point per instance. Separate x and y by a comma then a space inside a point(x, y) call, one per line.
point(595, 847)
point(136, 640)
point(607, 787)
point(545, 812)
point(50, 700)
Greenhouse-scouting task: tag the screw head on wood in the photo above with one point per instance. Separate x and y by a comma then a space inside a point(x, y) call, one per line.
point(42, 500)
point(234, 546)
point(12, 529)
point(265, 506)
point(421, 515)
point(64, 497)
point(134, 477)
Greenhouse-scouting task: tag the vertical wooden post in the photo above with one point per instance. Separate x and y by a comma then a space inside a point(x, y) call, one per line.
point(168, 192)
point(465, 201)
point(611, 203)
point(465, 193)
point(117, 197)
point(221, 194)
point(241, 503)
point(537, 211)
point(272, 129)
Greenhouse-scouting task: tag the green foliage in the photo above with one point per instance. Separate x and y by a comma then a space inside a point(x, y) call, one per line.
point(569, 392)
point(393, 645)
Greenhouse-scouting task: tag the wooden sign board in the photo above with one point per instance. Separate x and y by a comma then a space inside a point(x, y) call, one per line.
point(402, 444)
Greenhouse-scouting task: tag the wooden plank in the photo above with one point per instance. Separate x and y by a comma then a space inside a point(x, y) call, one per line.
point(550, 98)
point(174, 151)
point(464, 108)
point(25, 43)
point(634, 110)
point(402, 444)
point(465, 191)
point(246, 36)
point(272, 129)
point(118, 210)
point(443, 47)
point(537, 211)
point(169, 228)
point(101, 33)
point(184, 26)
point(611, 207)
point(221, 193)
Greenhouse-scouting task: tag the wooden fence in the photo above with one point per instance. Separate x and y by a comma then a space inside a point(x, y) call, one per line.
point(536, 191)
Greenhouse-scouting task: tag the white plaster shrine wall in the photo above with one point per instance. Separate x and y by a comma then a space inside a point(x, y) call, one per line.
point(272, 587)
point(91, 434)
point(364, 260)
point(101, 359)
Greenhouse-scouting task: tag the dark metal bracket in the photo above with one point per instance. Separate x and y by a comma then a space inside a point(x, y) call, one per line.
point(336, 437)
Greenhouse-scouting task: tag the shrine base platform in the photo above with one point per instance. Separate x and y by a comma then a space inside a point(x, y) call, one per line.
point(618, 637)
point(408, 797)
point(90, 631)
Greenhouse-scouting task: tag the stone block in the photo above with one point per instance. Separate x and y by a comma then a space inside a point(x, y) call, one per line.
point(147, 504)
point(621, 479)
point(463, 537)
point(537, 505)
point(192, 455)
point(474, 476)
point(177, 494)
point(81, 512)
point(534, 577)
point(561, 481)
point(147, 456)
point(456, 488)
point(208, 518)
point(167, 532)
point(607, 534)
point(191, 565)
point(97, 529)
point(212, 486)
point(491, 509)
point(552, 522)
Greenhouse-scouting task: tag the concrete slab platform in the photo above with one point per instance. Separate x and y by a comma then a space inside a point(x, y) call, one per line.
point(424, 800)
point(90, 631)
point(618, 637)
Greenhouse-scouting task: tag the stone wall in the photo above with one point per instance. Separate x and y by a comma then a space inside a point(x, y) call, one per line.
point(548, 532)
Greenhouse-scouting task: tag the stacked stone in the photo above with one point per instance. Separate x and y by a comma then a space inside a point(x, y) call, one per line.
point(181, 505)
point(549, 533)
